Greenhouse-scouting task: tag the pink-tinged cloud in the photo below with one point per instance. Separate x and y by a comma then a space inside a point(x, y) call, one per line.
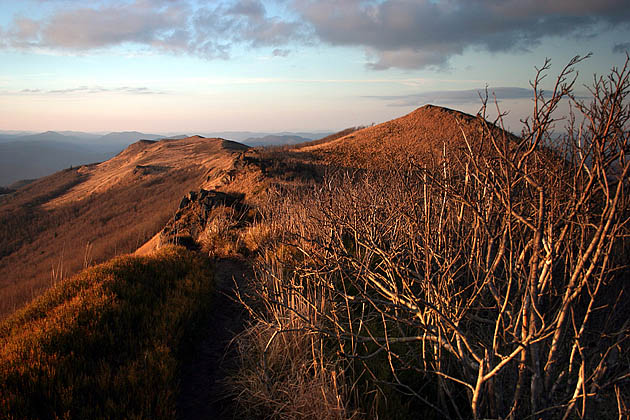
point(394, 33)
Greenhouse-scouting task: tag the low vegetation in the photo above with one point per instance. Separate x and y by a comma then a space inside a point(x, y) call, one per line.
point(465, 274)
point(40, 246)
point(106, 343)
point(489, 282)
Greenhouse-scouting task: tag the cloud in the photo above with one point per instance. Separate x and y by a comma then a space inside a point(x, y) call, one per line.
point(81, 28)
point(622, 48)
point(245, 22)
point(407, 34)
point(251, 8)
point(166, 26)
point(427, 33)
point(94, 89)
point(278, 52)
point(456, 97)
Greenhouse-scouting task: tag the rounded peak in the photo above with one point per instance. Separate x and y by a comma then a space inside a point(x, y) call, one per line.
point(423, 133)
point(437, 108)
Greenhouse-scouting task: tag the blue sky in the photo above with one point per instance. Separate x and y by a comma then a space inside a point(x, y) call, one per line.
point(285, 65)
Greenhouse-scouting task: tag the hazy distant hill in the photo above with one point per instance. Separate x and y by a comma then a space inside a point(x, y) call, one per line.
point(36, 155)
point(273, 139)
point(36, 158)
point(81, 134)
point(51, 136)
point(128, 136)
point(243, 136)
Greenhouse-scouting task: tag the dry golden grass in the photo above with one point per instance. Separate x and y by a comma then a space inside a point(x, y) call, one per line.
point(282, 376)
point(256, 236)
point(107, 343)
point(285, 371)
point(420, 135)
point(90, 214)
point(221, 237)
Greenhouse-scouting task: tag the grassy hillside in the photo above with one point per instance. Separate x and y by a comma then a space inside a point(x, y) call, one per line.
point(38, 242)
point(58, 225)
point(423, 135)
point(105, 343)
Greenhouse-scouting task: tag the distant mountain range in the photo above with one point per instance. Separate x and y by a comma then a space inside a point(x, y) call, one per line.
point(32, 155)
point(275, 139)
point(26, 156)
point(255, 136)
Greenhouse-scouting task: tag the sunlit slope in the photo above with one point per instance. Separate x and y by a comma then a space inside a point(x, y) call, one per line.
point(57, 225)
point(423, 135)
point(147, 157)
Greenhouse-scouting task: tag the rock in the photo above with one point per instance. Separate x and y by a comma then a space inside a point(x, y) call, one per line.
point(183, 203)
point(196, 211)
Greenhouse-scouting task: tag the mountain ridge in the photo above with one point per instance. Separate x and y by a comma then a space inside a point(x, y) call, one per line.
point(94, 212)
point(423, 134)
point(139, 189)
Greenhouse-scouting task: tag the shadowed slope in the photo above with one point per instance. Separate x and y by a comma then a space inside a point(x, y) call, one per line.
point(107, 343)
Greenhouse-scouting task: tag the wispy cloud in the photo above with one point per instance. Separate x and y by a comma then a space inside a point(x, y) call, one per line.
point(623, 47)
point(280, 52)
point(456, 97)
point(131, 90)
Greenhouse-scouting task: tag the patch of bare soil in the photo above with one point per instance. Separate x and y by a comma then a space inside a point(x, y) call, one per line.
point(203, 394)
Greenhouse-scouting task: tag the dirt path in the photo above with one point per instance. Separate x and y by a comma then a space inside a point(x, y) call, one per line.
point(203, 396)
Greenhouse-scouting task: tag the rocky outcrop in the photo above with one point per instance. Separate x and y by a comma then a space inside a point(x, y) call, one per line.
point(196, 210)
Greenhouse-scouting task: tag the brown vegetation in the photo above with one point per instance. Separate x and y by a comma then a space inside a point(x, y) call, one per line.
point(432, 266)
point(57, 225)
point(107, 343)
point(421, 135)
point(487, 281)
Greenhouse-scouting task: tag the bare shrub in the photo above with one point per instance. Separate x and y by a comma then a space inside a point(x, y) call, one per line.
point(490, 283)
point(285, 371)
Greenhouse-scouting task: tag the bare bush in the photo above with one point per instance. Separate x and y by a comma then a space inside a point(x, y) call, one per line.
point(491, 283)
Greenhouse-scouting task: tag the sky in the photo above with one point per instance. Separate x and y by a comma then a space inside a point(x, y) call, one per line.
point(191, 66)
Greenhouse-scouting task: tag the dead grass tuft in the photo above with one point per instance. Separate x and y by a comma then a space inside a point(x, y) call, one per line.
point(282, 375)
